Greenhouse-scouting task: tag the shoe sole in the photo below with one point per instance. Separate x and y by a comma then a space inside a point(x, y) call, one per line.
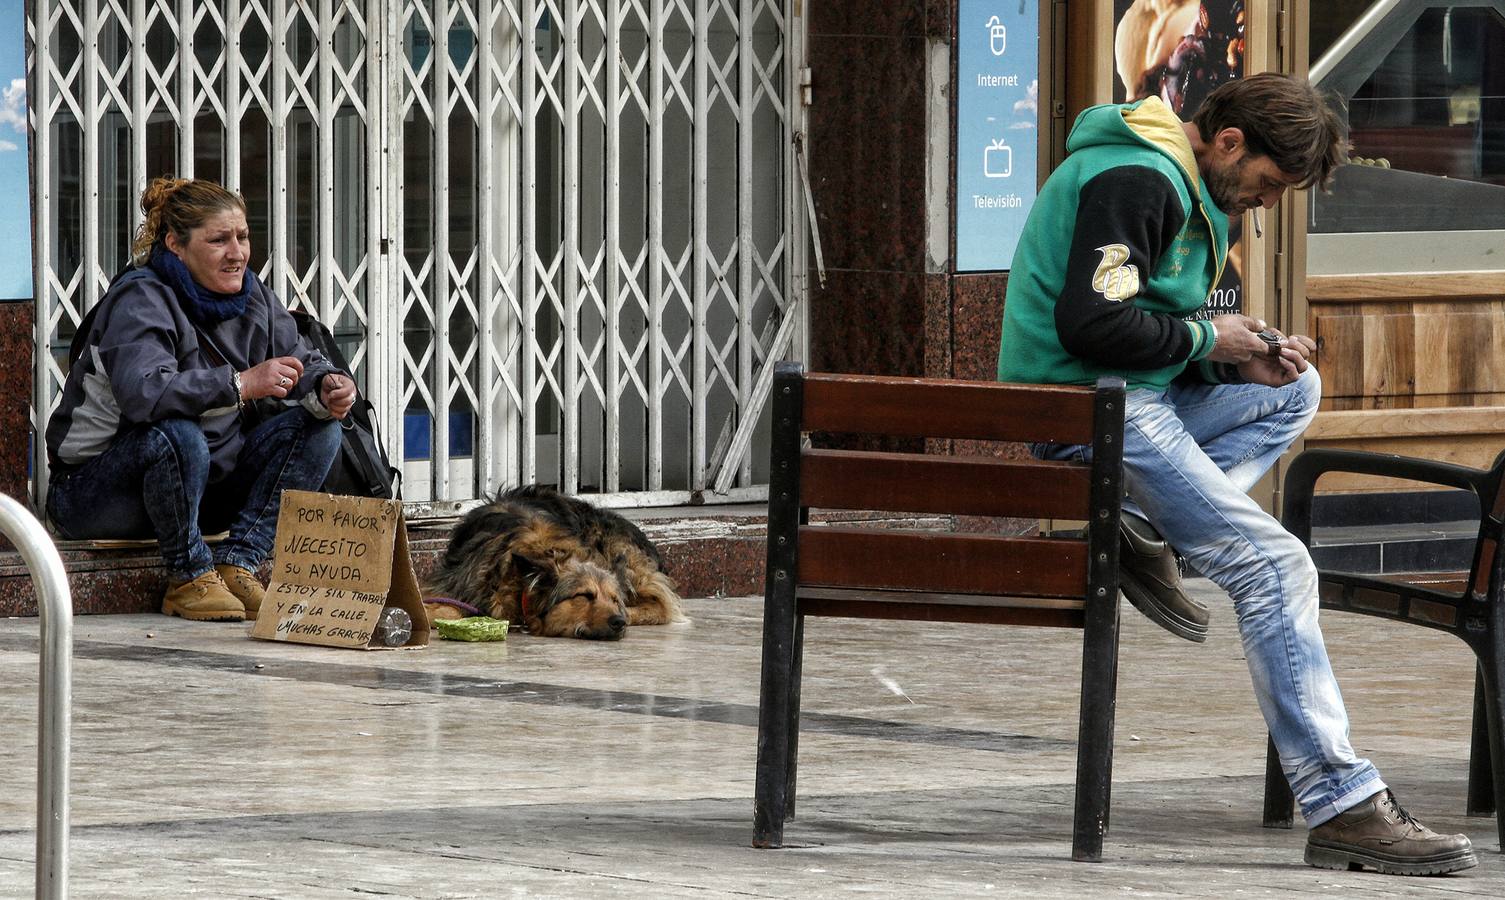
point(217, 615)
point(1324, 857)
point(1144, 601)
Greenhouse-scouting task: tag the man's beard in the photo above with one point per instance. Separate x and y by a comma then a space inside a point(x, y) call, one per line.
point(1223, 185)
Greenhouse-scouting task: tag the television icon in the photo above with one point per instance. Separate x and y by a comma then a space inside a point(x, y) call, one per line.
point(998, 160)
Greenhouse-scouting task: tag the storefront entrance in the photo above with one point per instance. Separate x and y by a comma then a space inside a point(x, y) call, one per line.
point(554, 238)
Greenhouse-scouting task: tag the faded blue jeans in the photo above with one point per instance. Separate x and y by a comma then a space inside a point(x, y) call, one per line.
point(153, 482)
point(1191, 455)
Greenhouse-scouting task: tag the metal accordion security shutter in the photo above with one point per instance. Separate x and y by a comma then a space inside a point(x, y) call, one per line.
point(556, 238)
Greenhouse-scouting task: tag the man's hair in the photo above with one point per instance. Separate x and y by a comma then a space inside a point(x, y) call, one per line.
point(1282, 117)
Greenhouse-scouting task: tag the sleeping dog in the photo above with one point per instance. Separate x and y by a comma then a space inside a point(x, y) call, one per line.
point(554, 565)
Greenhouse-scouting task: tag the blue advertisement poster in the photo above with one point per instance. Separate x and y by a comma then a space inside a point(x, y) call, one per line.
point(997, 128)
point(15, 193)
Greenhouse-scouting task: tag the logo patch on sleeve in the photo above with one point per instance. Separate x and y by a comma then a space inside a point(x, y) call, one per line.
point(1114, 278)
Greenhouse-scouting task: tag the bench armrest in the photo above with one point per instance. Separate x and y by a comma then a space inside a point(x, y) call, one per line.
point(1308, 466)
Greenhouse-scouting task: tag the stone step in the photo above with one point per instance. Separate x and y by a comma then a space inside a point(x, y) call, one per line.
point(709, 551)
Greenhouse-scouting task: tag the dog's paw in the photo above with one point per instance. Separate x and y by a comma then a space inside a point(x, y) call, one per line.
point(442, 611)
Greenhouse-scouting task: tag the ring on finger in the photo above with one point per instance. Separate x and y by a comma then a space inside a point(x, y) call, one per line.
point(284, 381)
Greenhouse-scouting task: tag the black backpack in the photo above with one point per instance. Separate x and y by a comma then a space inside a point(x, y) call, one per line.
point(363, 468)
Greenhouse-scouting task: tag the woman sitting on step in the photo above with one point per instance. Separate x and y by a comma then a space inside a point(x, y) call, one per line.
point(157, 435)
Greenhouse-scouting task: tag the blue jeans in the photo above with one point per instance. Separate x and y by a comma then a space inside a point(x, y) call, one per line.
point(153, 482)
point(1191, 455)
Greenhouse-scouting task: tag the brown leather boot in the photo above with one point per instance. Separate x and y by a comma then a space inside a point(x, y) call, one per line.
point(246, 587)
point(204, 599)
point(1149, 576)
point(1379, 834)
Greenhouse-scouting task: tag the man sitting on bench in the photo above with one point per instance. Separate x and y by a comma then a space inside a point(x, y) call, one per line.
point(1143, 204)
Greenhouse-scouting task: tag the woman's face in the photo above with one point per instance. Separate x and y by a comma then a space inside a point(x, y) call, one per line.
point(216, 252)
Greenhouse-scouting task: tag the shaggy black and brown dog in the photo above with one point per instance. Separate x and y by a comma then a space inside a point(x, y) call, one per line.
point(555, 565)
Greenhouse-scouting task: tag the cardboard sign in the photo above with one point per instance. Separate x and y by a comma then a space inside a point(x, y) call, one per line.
point(337, 564)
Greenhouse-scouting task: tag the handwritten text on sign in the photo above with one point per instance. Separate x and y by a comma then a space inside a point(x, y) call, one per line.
point(309, 612)
point(335, 543)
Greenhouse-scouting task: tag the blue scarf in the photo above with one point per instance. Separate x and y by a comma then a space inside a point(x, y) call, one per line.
point(203, 306)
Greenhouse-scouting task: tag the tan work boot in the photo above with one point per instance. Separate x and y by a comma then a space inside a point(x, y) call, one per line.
point(244, 584)
point(204, 599)
point(1379, 834)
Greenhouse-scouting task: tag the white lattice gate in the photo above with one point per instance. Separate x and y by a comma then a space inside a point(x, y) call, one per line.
point(554, 236)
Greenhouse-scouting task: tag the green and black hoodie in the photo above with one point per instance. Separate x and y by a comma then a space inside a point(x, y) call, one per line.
point(1123, 245)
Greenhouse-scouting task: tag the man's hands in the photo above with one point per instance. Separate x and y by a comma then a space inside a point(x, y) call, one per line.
point(1238, 342)
point(337, 393)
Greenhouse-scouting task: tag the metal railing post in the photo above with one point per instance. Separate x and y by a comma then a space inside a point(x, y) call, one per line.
point(55, 697)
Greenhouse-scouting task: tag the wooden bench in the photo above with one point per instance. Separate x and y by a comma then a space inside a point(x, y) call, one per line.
point(853, 571)
point(1467, 605)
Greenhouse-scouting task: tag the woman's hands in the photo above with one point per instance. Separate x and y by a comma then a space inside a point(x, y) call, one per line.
point(274, 378)
point(277, 377)
point(337, 393)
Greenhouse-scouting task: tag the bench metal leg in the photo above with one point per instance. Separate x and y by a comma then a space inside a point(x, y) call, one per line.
point(1279, 800)
point(792, 758)
point(1108, 785)
point(1094, 777)
point(775, 716)
point(1492, 671)
point(1481, 781)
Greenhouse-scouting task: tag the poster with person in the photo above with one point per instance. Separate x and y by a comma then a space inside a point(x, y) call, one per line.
point(1180, 50)
point(15, 191)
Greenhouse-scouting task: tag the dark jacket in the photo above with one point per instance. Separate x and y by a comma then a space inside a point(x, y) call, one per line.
point(146, 361)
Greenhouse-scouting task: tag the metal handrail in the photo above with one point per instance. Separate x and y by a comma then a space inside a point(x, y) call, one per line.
point(55, 697)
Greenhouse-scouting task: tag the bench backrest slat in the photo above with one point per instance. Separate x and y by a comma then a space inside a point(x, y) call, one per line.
point(833, 556)
point(958, 485)
point(940, 408)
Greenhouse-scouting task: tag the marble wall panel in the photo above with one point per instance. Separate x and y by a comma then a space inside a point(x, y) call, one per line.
point(940, 18)
point(889, 18)
point(976, 322)
point(15, 400)
point(938, 320)
point(869, 322)
point(867, 151)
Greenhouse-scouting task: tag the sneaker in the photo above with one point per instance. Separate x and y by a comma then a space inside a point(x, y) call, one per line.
point(1380, 835)
point(204, 599)
point(1150, 577)
point(246, 587)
